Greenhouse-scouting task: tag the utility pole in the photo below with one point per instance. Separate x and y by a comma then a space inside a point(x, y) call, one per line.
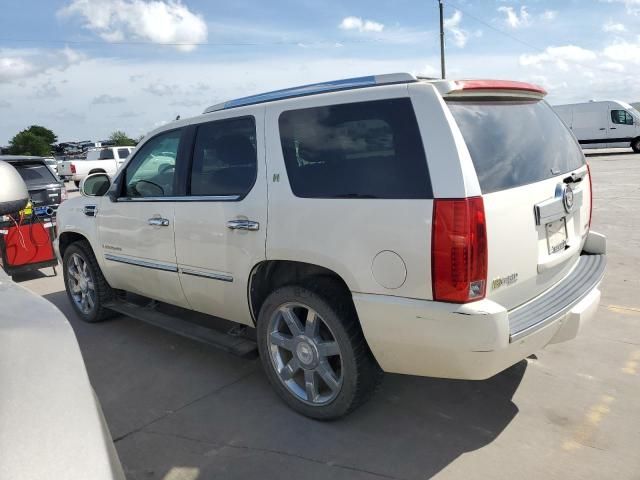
point(442, 69)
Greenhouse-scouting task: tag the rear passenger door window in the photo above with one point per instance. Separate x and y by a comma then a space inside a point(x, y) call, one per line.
point(355, 150)
point(224, 158)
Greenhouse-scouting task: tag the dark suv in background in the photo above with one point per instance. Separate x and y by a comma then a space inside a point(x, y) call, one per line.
point(46, 190)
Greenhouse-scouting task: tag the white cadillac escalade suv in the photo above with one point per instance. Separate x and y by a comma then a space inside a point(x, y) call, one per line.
point(384, 223)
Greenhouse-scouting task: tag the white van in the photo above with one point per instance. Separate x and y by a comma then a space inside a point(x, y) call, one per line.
point(605, 124)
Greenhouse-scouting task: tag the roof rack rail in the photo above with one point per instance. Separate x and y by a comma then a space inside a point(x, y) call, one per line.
point(315, 88)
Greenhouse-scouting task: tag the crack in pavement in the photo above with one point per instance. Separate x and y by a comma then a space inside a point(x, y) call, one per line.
point(188, 404)
point(276, 452)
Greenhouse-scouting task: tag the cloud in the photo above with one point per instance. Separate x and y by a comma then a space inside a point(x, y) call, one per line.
point(106, 99)
point(559, 56)
point(612, 27)
point(5, 104)
point(515, 20)
point(549, 15)
point(452, 24)
point(361, 25)
point(47, 91)
point(613, 67)
point(632, 6)
point(18, 64)
point(156, 21)
point(161, 89)
point(189, 103)
point(623, 52)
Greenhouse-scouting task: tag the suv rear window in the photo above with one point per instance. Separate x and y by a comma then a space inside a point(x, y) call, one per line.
point(514, 143)
point(35, 174)
point(355, 150)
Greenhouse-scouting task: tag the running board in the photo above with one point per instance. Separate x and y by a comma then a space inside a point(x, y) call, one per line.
point(233, 341)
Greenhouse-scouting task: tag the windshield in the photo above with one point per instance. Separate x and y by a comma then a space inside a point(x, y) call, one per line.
point(515, 142)
point(35, 173)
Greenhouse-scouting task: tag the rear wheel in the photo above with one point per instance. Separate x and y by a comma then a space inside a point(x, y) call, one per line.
point(76, 183)
point(636, 145)
point(87, 289)
point(314, 352)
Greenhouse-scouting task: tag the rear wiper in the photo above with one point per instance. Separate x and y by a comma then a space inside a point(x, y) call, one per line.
point(354, 195)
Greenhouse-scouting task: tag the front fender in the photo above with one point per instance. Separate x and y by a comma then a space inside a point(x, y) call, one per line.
point(72, 219)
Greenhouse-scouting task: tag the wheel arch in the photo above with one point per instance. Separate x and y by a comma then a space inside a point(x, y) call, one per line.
point(65, 239)
point(97, 170)
point(269, 275)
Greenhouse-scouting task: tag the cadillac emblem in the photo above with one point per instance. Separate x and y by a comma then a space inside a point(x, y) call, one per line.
point(567, 198)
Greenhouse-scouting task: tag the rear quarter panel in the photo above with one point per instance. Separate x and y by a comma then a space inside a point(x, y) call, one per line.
point(345, 235)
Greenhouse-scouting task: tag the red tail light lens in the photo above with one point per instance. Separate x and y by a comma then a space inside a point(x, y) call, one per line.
point(459, 250)
point(590, 194)
point(73, 168)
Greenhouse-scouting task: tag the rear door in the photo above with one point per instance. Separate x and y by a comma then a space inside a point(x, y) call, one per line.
point(221, 224)
point(536, 193)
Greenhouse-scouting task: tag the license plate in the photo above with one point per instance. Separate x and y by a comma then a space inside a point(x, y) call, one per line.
point(557, 236)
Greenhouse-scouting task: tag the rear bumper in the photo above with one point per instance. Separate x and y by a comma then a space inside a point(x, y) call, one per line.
point(474, 341)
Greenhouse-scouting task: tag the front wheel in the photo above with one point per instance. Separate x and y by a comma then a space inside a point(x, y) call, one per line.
point(314, 352)
point(86, 287)
point(636, 145)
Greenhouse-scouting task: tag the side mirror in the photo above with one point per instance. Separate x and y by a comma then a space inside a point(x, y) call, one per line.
point(95, 185)
point(14, 194)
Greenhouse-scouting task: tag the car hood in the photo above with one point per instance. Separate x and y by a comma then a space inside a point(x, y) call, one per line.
point(51, 425)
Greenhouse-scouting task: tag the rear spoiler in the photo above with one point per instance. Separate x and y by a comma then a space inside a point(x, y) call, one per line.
point(488, 88)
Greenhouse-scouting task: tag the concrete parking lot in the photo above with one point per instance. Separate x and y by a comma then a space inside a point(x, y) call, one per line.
point(178, 409)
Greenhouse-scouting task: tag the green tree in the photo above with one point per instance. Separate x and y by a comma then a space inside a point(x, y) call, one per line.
point(35, 140)
point(121, 139)
point(27, 143)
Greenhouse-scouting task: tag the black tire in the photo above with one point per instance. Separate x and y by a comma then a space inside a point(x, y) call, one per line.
point(76, 183)
point(103, 293)
point(359, 370)
point(635, 145)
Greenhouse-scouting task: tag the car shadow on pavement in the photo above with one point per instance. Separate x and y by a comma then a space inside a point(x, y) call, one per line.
point(173, 403)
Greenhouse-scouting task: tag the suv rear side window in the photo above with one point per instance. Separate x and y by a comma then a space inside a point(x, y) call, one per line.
point(355, 150)
point(515, 143)
point(123, 153)
point(35, 174)
point(224, 158)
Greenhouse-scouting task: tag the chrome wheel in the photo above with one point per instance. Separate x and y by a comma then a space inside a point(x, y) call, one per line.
point(305, 354)
point(81, 285)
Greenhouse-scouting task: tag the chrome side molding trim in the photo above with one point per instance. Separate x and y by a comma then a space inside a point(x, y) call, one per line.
point(140, 263)
point(199, 273)
point(186, 198)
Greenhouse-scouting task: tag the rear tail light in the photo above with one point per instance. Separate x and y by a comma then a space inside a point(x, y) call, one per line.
point(73, 168)
point(459, 250)
point(590, 194)
point(63, 194)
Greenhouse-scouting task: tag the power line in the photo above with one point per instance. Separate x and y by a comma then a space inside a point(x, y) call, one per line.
point(516, 39)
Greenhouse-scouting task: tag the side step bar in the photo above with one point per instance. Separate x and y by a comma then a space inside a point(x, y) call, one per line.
point(232, 341)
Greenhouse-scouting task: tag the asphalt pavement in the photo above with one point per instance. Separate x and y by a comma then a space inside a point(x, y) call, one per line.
point(181, 410)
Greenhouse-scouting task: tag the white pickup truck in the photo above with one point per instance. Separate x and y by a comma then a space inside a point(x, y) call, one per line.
point(99, 160)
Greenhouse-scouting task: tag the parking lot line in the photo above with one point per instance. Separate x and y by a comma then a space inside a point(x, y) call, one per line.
point(585, 431)
point(625, 310)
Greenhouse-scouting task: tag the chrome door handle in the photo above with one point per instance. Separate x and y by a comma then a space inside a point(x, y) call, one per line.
point(243, 225)
point(158, 222)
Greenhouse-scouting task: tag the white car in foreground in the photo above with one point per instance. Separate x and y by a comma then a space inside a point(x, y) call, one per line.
point(374, 224)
